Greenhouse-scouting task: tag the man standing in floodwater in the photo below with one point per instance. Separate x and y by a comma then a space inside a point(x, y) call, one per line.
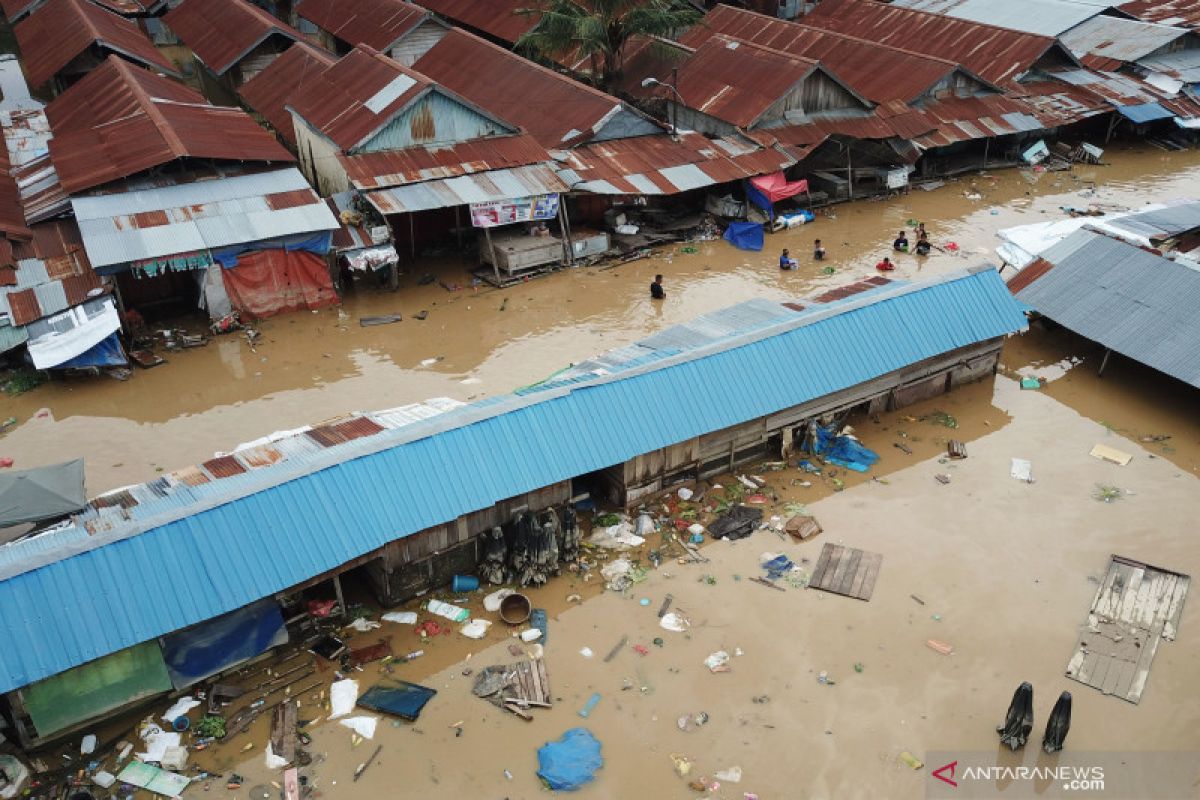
point(657, 292)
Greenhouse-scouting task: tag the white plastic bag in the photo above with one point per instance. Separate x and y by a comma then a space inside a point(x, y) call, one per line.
point(342, 697)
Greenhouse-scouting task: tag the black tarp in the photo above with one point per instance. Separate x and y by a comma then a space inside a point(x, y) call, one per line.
point(32, 495)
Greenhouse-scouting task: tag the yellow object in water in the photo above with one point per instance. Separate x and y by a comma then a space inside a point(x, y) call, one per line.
point(911, 760)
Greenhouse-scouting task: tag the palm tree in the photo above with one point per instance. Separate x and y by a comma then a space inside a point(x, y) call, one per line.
point(596, 31)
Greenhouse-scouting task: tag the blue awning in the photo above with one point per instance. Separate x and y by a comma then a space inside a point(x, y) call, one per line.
point(1145, 112)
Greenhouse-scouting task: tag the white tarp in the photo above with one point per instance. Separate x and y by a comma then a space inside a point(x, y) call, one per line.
point(82, 333)
point(1023, 244)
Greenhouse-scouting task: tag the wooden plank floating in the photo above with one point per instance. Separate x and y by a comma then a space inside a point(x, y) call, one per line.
point(846, 571)
point(1135, 607)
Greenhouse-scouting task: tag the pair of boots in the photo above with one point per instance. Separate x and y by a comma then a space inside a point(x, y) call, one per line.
point(1019, 721)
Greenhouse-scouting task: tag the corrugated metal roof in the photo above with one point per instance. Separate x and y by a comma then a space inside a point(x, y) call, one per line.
point(269, 92)
point(115, 126)
point(1133, 302)
point(11, 337)
point(1145, 112)
point(1158, 224)
point(279, 525)
point(1120, 39)
point(1043, 17)
point(1185, 13)
point(1183, 65)
point(52, 38)
point(352, 100)
point(998, 54)
point(223, 32)
point(738, 81)
point(377, 23)
point(649, 165)
point(197, 216)
point(1115, 88)
point(877, 72)
point(498, 18)
point(501, 184)
point(53, 273)
point(556, 110)
point(416, 164)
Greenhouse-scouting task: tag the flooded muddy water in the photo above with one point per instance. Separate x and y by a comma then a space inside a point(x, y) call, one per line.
point(309, 367)
point(1005, 572)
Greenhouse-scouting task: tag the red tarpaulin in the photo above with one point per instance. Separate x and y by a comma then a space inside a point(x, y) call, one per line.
point(775, 187)
point(268, 282)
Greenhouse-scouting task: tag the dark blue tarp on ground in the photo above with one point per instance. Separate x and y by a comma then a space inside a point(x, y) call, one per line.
point(210, 647)
point(401, 699)
point(570, 762)
point(107, 353)
point(745, 235)
point(843, 450)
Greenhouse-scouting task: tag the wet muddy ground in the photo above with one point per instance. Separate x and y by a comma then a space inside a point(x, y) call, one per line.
point(309, 367)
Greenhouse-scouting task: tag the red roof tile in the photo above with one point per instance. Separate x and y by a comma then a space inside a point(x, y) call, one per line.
point(877, 72)
point(377, 23)
point(350, 101)
point(998, 54)
point(416, 164)
point(555, 109)
point(223, 32)
point(498, 18)
point(61, 30)
point(132, 129)
point(269, 91)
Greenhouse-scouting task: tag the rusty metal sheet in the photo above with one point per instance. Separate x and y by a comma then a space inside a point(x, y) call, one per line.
point(223, 467)
point(416, 164)
point(23, 307)
point(376, 23)
point(499, 18)
point(1184, 13)
point(62, 29)
point(269, 92)
point(223, 32)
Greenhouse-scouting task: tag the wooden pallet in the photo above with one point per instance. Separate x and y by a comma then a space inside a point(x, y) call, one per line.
point(846, 571)
point(1135, 607)
point(529, 687)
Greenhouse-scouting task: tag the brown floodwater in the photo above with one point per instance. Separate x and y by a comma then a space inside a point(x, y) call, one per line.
point(313, 366)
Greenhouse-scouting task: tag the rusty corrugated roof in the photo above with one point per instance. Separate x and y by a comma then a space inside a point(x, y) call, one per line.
point(556, 110)
point(109, 92)
point(997, 54)
point(269, 91)
point(416, 164)
point(63, 29)
point(869, 126)
point(223, 32)
point(877, 72)
point(1184, 13)
point(377, 23)
point(350, 101)
point(498, 18)
point(132, 129)
point(12, 214)
point(654, 165)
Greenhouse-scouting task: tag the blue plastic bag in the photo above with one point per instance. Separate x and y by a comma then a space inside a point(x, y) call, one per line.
point(570, 762)
point(745, 235)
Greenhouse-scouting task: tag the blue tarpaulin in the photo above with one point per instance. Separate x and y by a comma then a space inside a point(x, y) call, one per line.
point(570, 762)
point(1144, 112)
point(745, 235)
point(210, 647)
point(755, 196)
point(318, 243)
point(845, 451)
point(401, 699)
point(107, 353)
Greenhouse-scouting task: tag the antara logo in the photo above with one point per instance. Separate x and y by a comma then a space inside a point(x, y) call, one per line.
point(939, 773)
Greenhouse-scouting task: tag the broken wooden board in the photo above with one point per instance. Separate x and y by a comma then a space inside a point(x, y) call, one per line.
point(283, 731)
point(1136, 606)
point(846, 571)
point(1110, 454)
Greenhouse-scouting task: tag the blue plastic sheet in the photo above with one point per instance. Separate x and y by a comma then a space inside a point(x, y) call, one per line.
point(401, 699)
point(755, 196)
point(745, 235)
point(844, 451)
point(210, 647)
point(108, 353)
point(571, 762)
point(318, 243)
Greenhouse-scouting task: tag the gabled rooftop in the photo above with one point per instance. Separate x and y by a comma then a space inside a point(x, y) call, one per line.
point(62, 30)
point(1042, 17)
point(270, 91)
point(119, 121)
point(1185, 13)
point(1121, 39)
point(498, 18)
point(377, 23)
point(418, 164)
point(223, 32)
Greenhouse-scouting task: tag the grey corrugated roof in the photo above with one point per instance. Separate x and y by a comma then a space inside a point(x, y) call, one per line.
point(203, 215)
point(498, 184)
point(1183, 65)
point(1122, 39)
point(1043, 17)
point(1138, 304)
point(1160, 224)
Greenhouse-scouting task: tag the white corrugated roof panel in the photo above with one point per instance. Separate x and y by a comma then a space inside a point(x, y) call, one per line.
point(1042, 17)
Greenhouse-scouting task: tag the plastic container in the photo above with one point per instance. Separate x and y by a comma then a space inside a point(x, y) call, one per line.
point(181, 723)
point(448, 611)
point(515, 609)
point(464, 583)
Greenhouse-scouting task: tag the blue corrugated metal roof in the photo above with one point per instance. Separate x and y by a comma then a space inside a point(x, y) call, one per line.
point(1145, 112)
point(195, 552)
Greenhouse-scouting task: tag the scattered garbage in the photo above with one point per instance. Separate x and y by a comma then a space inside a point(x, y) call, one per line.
point(401, 617)
point(1022, 470)
point(586, 652)
point(570, 762)
point(515, 608)
point(1106, 493)
point(364, 625)
point(1019, 720)
point(802, 527)
point(840, 448)
point(619, 535)
point(16, 773)
point(1058, 724)
point(942, 477)
point(1110, 454)
point(342, 697)
point(690, 722)
point(476, 628)
point(683, 764)
point(940, 646)
point(956, 449)
point(674, 621)
point(684, 494)
point(941, 418)
point(464, 583)
point(492, 601)
point(590, 705)
point(363, 726)
point(911, 760)
point(1030, 383)
point(397, 698)
point(153, 779)
point(732, 775)
point(717, 662)
point(361, 768)
point(530, 635)
point(824, 679)
point(450, 612)
point(88, 744)
point(736, 523)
